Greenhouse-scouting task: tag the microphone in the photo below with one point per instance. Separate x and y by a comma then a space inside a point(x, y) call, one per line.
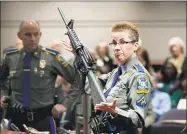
point(7, 124)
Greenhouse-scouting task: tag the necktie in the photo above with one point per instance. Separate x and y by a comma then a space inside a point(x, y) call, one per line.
point(26, 79)
point(115, 79)
point(116, 76)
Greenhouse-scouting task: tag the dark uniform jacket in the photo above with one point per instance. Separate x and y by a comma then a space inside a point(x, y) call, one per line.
point(46, 64)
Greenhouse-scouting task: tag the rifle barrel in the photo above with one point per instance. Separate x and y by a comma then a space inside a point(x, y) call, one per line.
point(63, 17)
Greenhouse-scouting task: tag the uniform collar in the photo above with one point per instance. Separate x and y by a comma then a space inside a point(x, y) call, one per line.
point(36, 53)
point(132, 61)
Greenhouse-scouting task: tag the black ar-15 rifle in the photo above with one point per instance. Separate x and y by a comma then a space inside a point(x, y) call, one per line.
point(85, 62)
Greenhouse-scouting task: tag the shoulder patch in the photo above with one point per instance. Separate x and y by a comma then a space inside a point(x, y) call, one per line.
point(141, 102)
point(143, 84)
point(11, 50)
point(62, 60)
point(52, 51)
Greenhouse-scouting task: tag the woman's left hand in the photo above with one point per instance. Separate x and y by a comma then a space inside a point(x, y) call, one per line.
point(107, 107)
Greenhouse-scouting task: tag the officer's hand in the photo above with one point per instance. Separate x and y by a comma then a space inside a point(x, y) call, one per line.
point(58, 109)
point(3, 102)
point(67, 45)
point(107, 107)
point(33, 130)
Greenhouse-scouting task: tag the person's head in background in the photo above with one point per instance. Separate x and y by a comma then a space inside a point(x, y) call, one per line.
point(56, 45)
point(125, 38)
point(176, 47)
point(104, 63)
point(93, 54)
point(154, 82)
point(168, 72)
point(4, 50)
point(19, 44)
point(29, 33)
point(143, 56)
point(102, 49)
point(183, 79)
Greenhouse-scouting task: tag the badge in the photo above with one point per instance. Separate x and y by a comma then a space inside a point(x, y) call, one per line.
point(35, 53)
point(142, 84)
point(35, 70)
point(42, 64)
point(141, 102)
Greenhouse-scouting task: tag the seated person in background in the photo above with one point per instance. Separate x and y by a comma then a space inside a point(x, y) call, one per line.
point(160, 100)
point(7, 48)
point(182, 84)
point(143, 56)
point(104, 63)
point(57, 45)
point(149, 120)
point(69, 121)
point(168, 81)
point(19, 44)
point(66, 87)
point(176, 48)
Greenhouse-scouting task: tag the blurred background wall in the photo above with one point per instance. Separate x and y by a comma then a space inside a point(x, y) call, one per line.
point(157, 21)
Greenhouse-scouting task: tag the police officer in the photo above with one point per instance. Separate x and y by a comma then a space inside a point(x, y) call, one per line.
point(128, 87)
point(32, 73)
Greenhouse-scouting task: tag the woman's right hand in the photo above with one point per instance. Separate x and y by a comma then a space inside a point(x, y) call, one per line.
point(67, 45)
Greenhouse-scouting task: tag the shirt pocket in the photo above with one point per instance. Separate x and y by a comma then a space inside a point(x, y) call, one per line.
point(39, 76)
point(44, 74)
point(120, 92)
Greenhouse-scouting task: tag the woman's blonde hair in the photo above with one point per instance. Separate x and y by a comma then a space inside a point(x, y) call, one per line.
point(123, 26)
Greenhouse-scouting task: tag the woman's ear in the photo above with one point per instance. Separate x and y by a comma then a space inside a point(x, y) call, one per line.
point(136, 45)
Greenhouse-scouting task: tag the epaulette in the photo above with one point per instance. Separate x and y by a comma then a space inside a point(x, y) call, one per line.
point(139, 68)
point(11, 50)
point(52, 51)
